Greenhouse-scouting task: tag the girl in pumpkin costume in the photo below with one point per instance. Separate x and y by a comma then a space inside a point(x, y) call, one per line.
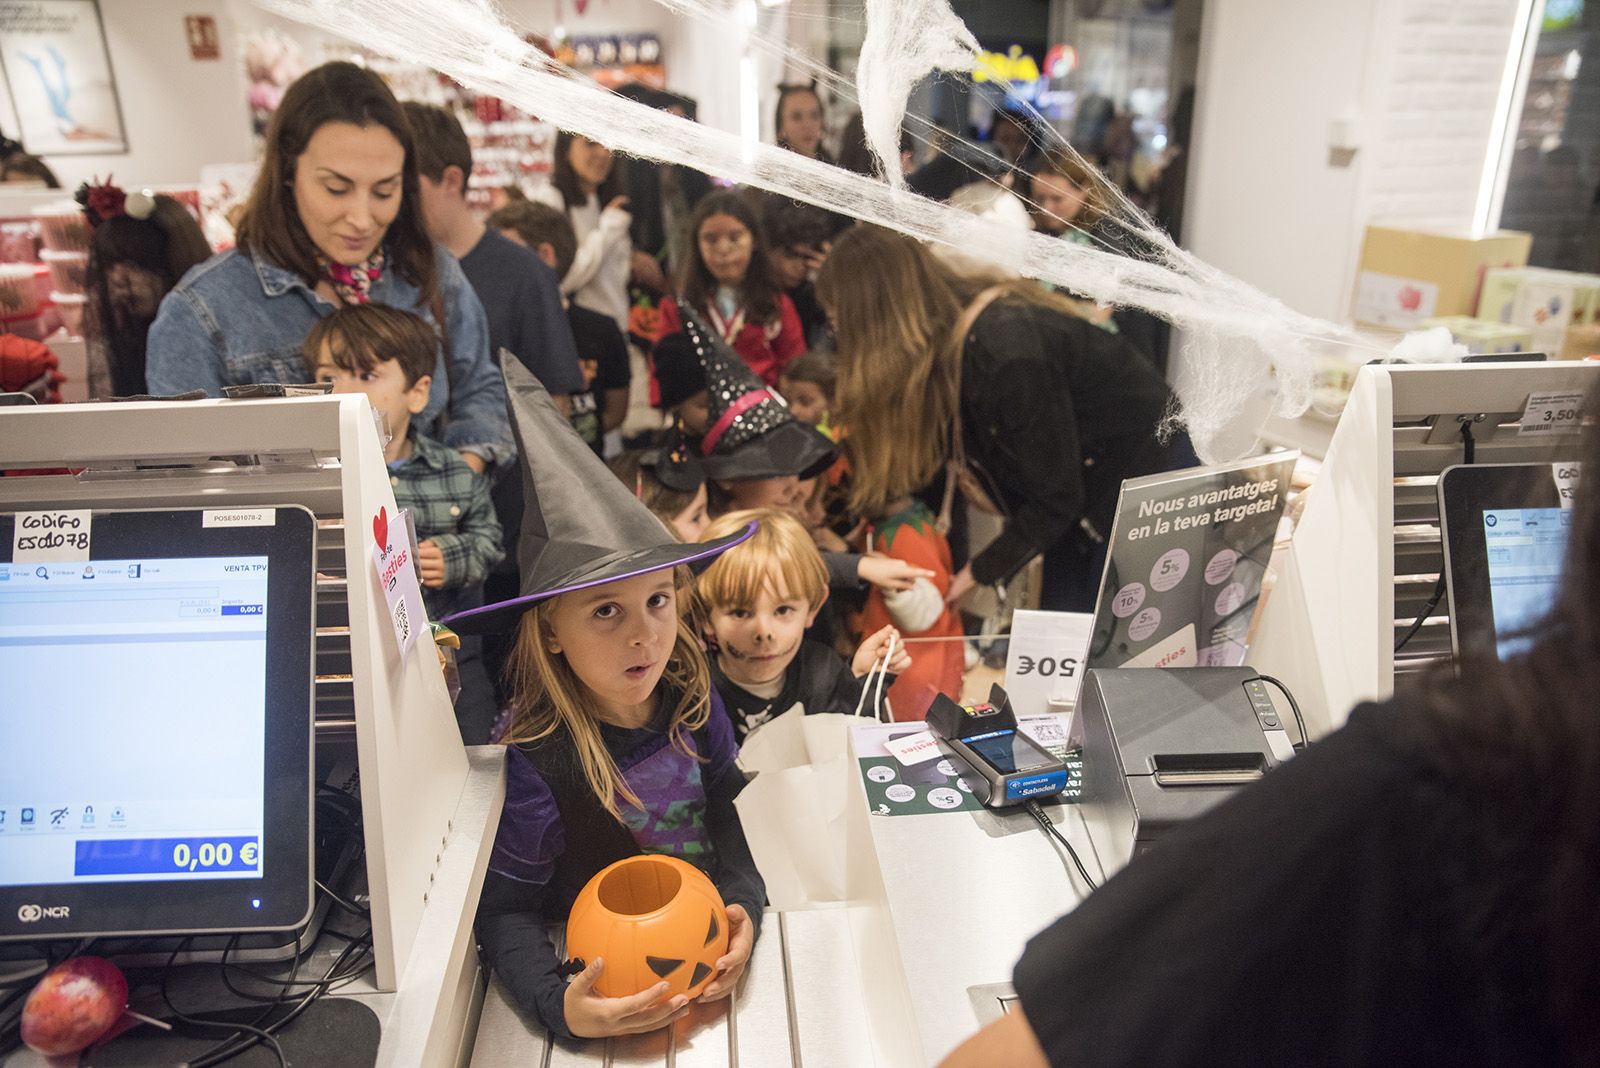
point(619, 745)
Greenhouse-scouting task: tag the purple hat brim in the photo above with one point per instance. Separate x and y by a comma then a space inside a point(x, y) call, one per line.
point(503, 616)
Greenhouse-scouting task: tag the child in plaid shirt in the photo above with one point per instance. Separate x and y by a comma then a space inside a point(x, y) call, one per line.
point(389, 354)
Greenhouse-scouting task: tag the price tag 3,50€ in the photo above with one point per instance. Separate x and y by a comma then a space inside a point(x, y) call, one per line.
point(1552, 413)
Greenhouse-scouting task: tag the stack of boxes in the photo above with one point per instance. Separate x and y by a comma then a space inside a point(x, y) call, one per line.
point(1480, 288)
point(1560, 310)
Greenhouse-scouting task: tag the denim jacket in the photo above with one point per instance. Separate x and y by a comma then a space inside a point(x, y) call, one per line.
point(237, 319)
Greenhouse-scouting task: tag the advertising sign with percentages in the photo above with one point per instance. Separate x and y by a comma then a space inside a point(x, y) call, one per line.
point(1188, 553)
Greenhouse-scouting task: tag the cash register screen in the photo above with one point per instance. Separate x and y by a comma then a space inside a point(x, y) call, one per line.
point(1505, 530)
point(142, 718)
point(1524, 548)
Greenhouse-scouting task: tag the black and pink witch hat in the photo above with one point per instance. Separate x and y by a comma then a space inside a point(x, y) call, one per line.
point(752, 433)
point(580, 525)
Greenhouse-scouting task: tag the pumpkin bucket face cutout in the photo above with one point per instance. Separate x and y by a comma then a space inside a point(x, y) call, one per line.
point(651, 918)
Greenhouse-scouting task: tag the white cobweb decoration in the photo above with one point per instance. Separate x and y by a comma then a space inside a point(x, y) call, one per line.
point(1240, 344)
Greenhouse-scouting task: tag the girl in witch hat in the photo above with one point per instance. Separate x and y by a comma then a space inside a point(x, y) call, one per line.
point(619, 745)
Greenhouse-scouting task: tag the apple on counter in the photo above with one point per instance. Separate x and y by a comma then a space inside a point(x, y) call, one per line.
point(76, 1003)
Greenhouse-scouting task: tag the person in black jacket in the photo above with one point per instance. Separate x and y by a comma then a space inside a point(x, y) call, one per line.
point(1038, 413)
point(1421, 887)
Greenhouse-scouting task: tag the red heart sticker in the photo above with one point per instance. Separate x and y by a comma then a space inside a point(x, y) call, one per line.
point(380, 529)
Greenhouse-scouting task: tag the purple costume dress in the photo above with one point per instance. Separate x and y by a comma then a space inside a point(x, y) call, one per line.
point(555, 835)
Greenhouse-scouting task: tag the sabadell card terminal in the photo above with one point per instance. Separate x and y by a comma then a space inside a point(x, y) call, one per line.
point(1000, 764)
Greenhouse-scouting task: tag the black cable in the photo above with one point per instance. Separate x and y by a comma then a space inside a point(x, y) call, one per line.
point(246, 1041)
point(350, 907)
point(1469, 454)
point(1038, 813)
point(1294, 706)
point(256, 1033)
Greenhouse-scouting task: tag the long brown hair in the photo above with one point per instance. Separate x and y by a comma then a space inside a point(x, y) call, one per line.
point(757, 292)
point(548, 696)
point(894, 308)
point(271, 227)
point(565, 179)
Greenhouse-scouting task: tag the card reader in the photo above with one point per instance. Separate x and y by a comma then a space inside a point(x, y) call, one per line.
point(1001, 765)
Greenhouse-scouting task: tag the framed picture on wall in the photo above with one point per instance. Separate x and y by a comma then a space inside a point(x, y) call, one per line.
point(59, 72)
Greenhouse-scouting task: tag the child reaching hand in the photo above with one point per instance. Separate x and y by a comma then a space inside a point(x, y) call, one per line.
point(618, 746)
point(759, 598)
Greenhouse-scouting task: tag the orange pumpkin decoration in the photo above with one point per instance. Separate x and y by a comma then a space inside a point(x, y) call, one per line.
point(644, 320)
point(652, 918)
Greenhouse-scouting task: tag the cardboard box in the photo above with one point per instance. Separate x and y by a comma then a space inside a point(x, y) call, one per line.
point(1497, 301)
point(1547, 302)
point(1406, 276)
point(1481, 336)
point(1582, 343)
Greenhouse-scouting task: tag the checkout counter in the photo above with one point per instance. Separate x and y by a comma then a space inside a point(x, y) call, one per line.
point(898, 974)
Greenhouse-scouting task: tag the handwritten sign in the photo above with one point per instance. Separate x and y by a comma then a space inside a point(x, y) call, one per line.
point(1566, 476)
point(397, 575)
point(51, 537)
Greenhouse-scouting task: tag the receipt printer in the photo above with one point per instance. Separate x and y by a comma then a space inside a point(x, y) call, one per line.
point(1162, 745)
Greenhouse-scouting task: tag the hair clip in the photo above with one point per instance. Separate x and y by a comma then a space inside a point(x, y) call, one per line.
point(104, 201)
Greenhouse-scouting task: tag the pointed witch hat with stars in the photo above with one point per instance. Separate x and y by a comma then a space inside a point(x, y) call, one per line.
point(752, 432)
point(581, 526)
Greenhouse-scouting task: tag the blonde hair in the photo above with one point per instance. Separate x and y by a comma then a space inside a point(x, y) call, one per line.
point(548, 695)
point(894, 308)
point(780, 557)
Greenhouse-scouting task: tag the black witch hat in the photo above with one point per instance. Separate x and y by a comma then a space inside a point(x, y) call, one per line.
point(675, 463)
point(752, 433)
point(580, 525)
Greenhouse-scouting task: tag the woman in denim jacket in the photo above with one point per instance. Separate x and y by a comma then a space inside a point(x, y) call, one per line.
point(334, 219)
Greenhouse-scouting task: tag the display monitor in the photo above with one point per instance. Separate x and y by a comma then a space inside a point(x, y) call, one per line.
point(156, 727)
point(1504, 528)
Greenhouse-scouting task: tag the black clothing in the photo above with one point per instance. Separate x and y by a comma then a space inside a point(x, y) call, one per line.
point(522, 299)
point(817, 678)
point(813, 320)
point(1359, 906)
point(1055, 413)
point(651, 228)
point(599, 341)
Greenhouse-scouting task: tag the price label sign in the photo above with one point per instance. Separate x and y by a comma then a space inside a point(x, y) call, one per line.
point(1045, 658)
point(1552, 413)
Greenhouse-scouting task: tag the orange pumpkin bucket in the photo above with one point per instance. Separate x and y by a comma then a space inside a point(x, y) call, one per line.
point(652, 918)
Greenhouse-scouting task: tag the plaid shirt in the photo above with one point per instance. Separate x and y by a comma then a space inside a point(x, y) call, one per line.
point(449, 504)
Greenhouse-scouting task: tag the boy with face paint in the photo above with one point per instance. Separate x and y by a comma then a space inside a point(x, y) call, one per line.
point(759, 598)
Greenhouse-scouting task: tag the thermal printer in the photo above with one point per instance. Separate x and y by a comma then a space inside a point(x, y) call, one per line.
point(1162, 745)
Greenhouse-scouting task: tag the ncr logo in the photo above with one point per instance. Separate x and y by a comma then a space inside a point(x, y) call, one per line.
point(35, 913)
